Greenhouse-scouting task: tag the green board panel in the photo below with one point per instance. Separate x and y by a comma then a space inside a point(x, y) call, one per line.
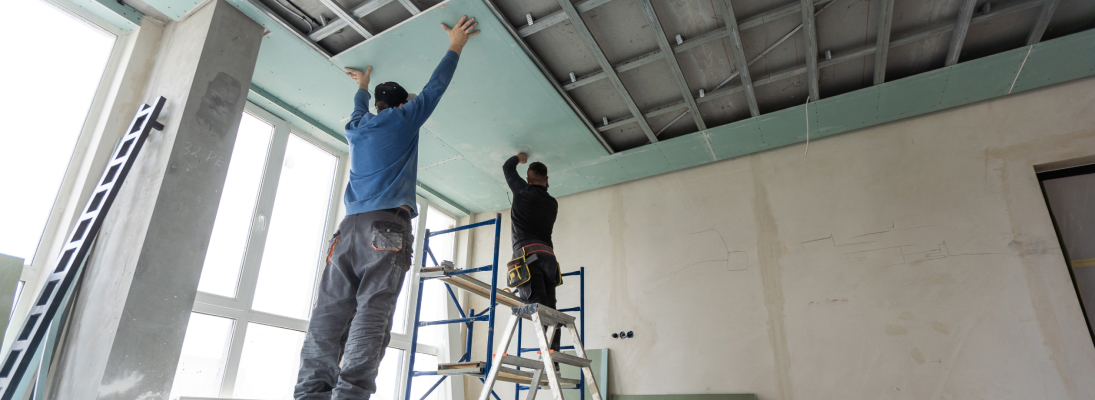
point(737, 139)
point(123, 17)
point(783, 127)
point(915, 95)
point(432, 150)
point(686, 151)
point(980, 79)
point(600, 358)
point(741, 396)
point(474, 189)
point(843, 113)
point(602, 174)
point(1058, 60)
point(174, 9)
point(642, 162)
point(498, 102)
point(569, 181)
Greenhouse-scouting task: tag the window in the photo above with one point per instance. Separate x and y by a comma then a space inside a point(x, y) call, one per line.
point(433, 342)
point(41, 126)
point(257, 284)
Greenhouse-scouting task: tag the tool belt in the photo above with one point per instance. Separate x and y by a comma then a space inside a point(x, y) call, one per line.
point(517, 272)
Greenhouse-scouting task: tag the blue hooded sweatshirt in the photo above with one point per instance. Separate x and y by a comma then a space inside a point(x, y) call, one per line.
point(384, 146)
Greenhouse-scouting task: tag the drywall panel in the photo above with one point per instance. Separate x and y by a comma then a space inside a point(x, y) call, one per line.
point(845, 112)
point(980, 79)
point(686, 151)
point(602, 174)
point(910, 96)
point(729, 141)
point(783, 127)
point(1058, 60)
point(471, 185)
point(643, 162)
point(175, 9)
point(499, 103)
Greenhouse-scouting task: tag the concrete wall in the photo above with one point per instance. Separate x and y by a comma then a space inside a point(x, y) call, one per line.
point(130, 316)
point(911, 260)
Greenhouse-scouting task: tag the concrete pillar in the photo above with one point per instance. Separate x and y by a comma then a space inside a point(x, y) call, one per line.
point(130, 316)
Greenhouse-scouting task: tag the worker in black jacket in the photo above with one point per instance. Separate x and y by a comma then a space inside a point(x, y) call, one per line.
point(534, 271)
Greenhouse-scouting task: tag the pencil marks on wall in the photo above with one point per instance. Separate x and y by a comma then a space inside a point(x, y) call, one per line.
point(705, 253)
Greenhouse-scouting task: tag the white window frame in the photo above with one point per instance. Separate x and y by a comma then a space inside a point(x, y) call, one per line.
point(402, 341)
point(239, 308)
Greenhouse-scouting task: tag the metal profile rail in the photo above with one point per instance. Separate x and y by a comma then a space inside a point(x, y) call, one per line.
point(462, 279)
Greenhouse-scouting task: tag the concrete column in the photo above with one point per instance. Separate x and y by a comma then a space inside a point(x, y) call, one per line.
point(130, 316)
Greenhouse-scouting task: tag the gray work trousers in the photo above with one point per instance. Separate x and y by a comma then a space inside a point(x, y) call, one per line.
point(352, 318)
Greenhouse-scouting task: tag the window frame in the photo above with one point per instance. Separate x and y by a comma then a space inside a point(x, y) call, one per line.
point(402, 341)
point(239, 308)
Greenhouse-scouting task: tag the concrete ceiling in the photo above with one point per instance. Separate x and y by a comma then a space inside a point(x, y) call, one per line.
point(506, 99)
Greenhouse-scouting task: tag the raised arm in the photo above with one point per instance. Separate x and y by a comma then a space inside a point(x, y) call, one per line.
point(419, 109)
point(361, 98)
point(513, 179)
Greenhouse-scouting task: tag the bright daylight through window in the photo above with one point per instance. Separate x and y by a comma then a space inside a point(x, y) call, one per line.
point(47, 91)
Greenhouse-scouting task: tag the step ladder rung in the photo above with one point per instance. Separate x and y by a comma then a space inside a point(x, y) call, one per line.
point(464, 368)
point(525, 377)
point(568, 359)
point(547, 315)
point(522, 362)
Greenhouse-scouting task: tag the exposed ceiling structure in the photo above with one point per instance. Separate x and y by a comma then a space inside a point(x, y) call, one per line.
point(639, 66)
point(514, 90)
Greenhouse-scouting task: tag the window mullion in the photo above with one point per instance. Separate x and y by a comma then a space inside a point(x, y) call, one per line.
point(412, 296)
point(256, 242)
point(235, 352)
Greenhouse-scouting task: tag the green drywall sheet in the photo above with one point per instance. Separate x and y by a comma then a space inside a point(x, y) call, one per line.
point(500, 103)
point(1058, 60)
point(600, 371)
point(174, 9)
point(123, 17)
point(684, 397)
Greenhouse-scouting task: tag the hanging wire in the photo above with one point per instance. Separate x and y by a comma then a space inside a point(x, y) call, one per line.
point(302, 18)
point(807, 126)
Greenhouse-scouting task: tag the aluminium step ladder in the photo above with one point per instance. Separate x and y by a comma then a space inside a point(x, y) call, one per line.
point(542, 371)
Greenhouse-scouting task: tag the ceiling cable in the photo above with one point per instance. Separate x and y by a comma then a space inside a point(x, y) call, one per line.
point(807, 126)
point(758, 57)
point(302, 18)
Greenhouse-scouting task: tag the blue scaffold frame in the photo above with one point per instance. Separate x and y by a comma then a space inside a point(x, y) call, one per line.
point(469, 318)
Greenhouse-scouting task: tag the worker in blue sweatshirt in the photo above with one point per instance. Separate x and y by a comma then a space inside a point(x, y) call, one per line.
point(371, 251)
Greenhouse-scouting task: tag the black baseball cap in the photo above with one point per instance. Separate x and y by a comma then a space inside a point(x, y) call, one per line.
point(391, 94)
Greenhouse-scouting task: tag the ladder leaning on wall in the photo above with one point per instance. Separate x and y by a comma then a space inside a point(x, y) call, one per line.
point(462, 278)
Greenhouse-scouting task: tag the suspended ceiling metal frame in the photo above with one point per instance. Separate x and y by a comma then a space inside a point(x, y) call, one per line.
point(690, 104)
point(345, 18)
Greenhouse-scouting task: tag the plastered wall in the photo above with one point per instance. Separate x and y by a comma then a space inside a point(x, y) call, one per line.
point(910, 260)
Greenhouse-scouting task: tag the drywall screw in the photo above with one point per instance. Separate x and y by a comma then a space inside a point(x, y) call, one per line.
point(528, 17)
point(828, 55)
point(572, 79)
point(605, 119)
point(680, 40)
point(985, 8)
point(701, 93)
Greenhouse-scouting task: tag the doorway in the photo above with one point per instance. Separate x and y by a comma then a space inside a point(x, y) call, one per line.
point(1070, 196)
